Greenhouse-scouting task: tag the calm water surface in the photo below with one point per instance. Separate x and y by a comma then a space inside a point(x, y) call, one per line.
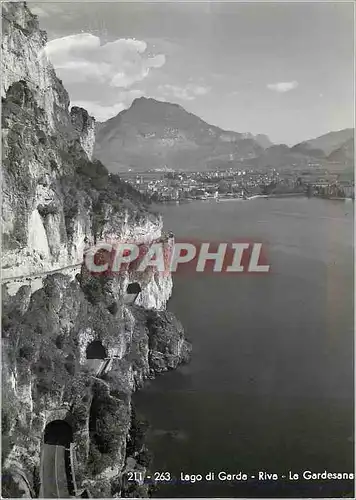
point(270, 384)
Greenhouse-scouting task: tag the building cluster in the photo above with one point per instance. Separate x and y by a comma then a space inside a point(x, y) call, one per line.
point(341, 189)
point(178, 185)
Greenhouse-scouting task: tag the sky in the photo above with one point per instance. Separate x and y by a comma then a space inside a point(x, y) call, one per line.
point(281, 69)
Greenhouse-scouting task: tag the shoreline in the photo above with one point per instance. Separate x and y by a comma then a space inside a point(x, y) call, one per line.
point(266, 196)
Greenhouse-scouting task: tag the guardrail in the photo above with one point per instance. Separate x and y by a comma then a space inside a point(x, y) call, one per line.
point(106, 363)
point(15, 470)
point(70, 468)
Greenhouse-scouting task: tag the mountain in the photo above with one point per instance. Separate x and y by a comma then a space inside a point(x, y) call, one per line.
point(305, 149)
point(263, 140)
point(334, 150)
point(344, 154)
point(327, 143)
point(280, 155)
point(152, 134)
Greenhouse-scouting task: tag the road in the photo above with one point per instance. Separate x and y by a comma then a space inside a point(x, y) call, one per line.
point(53, 475)
point(98, 366)
point(9, 279)
point(39, 275)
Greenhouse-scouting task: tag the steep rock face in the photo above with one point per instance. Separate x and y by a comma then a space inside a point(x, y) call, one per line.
point(45, 215)
point(85, 126)
point(37, 134)
point(56, 203)
point(23, 58)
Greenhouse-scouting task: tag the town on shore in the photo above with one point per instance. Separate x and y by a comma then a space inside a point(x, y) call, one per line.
point(169, 185)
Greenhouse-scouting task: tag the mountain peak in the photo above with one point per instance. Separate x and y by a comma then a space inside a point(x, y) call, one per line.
point(143, 100)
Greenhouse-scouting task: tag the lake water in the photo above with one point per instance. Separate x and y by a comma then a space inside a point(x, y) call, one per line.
point(271, 383)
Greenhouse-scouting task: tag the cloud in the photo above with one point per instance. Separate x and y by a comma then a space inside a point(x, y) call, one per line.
point(283, 86)
point(121, 63)
point(186, 93)
point(70, 47)
point(101, 77)
point(199, 90)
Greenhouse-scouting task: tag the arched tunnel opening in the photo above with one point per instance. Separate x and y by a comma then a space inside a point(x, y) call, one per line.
point(96, 350)
point(132, 292)
point(58, 433)
point(133, 288)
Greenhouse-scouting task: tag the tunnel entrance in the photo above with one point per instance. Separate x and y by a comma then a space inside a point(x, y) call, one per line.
point(133, 288)
point(58, 433)
point(96, 350)
point(132, 292)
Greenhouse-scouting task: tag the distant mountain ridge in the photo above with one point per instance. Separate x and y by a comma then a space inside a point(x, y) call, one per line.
point(333, 151)
point(154, 134)
point(329, 142)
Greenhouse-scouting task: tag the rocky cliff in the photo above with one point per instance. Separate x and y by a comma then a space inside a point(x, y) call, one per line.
point(56, 201)
point(85, 126)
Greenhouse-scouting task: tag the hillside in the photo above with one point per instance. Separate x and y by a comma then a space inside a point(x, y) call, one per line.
point(263, 140)
point(152, 134)
point(327, 143)
point(344, 154)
